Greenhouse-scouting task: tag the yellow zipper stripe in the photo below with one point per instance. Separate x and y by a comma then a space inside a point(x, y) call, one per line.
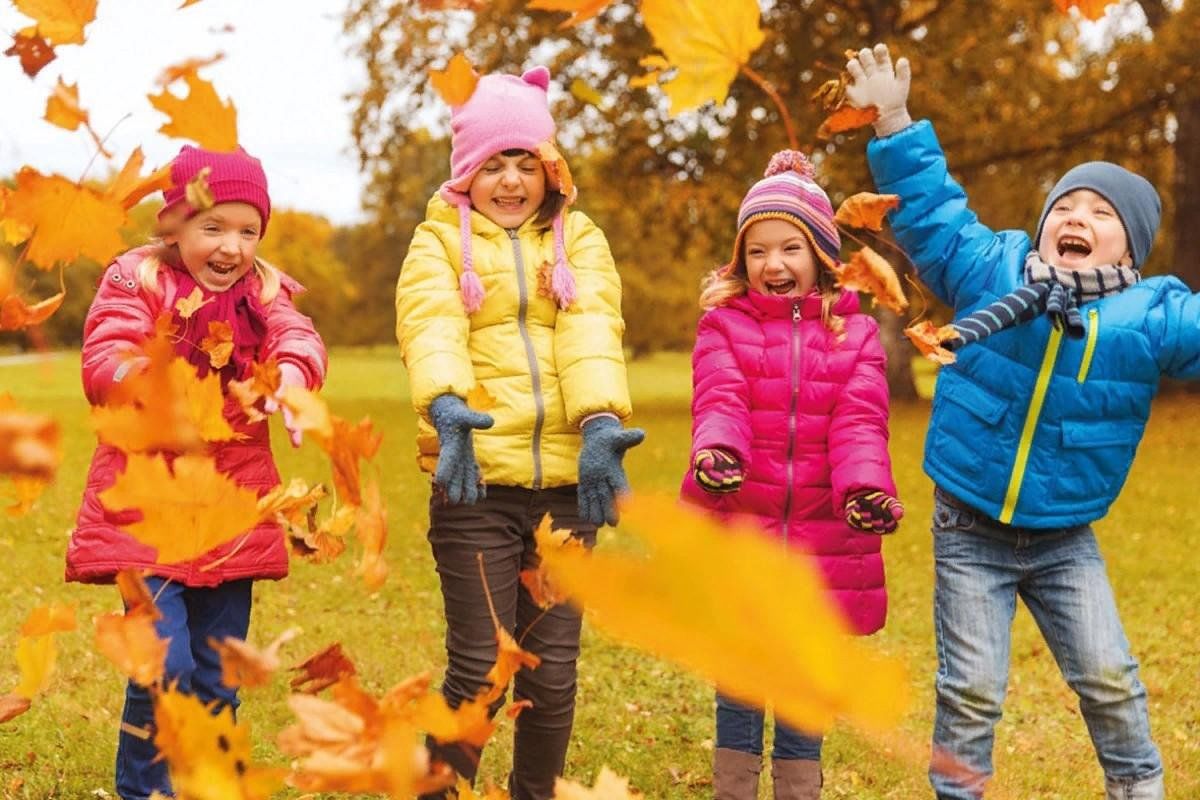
point(1031, 418)
point(1090, 348)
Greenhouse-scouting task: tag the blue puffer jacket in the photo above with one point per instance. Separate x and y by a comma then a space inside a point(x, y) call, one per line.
point(1031, 427)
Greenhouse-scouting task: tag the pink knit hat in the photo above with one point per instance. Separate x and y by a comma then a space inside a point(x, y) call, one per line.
point(503, 113)
point(788, 191)
point(235, 177)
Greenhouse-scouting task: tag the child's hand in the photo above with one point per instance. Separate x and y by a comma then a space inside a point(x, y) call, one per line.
point(457, 472)
point(876, 83)
point(601, 475)
point(873, 511)
point(717, 471)
point(289, 375)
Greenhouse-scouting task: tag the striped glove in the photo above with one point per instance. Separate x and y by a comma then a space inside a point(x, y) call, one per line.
point(717, 471)
point(873, 511)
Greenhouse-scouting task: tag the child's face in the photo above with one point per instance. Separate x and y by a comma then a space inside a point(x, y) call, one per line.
point(509, 189)
point(217, 246)
point(779, 259)
point(1083, 231)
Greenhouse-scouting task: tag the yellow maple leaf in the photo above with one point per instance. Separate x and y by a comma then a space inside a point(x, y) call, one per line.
point(16, 314)
point(199, 195)
point(580, 10)
point(35, 659)
point(706, 41)
point(186, 306)
point(243, 664)
point(62, 107)
point(558, 176)
point(59, 21)
point(187, 509)
point(707, 597)
point(456, 83)
point(129, 187)
point(25, 491)
point(218, 343)
point(609, 786)
point(200, 115)
point(66, 220)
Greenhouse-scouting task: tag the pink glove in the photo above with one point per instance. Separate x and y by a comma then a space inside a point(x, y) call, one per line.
point(289, 375)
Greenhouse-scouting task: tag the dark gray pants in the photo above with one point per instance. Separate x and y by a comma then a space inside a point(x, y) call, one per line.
point(501, 528)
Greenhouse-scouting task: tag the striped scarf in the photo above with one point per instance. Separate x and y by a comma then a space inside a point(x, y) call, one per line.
point(1054, 292)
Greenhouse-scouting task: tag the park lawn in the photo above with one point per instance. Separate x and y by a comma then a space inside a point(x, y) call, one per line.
point(638, 715)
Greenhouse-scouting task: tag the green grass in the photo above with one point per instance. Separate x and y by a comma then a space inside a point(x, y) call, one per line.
point(641, 717)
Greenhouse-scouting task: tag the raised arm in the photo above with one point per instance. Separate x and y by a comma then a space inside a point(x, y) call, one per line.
point(1173, 323)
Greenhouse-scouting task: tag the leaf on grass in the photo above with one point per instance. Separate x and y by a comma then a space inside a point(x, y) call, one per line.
point(456, 83)
point(218, 343)
point(188, 508)
point(706, 41)
point(609, 786)
point(707, 597)
point(928, 341)
point(869, 272)
point(29, 444)
point(322, 670)
point(866, 210)
point(33, 51)
point(66, 220)
point(243, 664)
point(580, 10)
point(60, 21)
point(200, 115)
point(12, 705)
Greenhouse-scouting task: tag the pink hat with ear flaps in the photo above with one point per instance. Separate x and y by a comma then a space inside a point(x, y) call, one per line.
point(503, 113)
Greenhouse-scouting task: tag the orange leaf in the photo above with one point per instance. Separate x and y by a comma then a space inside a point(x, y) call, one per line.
point(131, 642)
point(322, 670)
point(35, 659)
point(29, 444)
point(479, 399)
point(200, 115)
point(345, 447)
point(471, 722)
point(16, 314)
point(869, 272)
point(218, 343)
point(1090, 9)
point(186, 306)
point(310, 414)
point(928, 339)
point(129, 187)
point(181, 70)
point(136, 594)
point(580, 10)
point(12, 705)
point(847, 118)
point(456, 83)
point(324, 542)
point(26, 491)
point(62, 107)
point(509, 660)
point(67, 220)
point(289, 501)
point(242, 664)
point(33, 51)
point(831, 94)
point(608, 787)
point(541, 588)
point(263, 383)
point(187, 509)
point(371, 527)
point(866, 210)
point(198, 195)
point(558, 174)
point(60, 21)
point(45, 620)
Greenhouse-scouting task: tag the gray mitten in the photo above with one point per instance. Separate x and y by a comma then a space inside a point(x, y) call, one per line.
point(457, 471)
point(601, 476)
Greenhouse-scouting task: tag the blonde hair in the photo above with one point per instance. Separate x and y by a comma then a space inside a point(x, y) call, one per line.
point(148, 269)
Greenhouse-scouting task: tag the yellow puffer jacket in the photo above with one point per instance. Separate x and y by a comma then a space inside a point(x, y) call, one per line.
point(547, 369)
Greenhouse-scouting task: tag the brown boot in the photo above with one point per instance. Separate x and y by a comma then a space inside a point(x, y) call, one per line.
point(735, 774)
point(796, 778)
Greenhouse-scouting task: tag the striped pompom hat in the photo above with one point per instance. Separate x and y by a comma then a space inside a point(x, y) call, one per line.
point(788, 191)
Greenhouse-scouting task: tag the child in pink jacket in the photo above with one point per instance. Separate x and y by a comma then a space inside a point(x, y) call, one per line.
point(789, 427)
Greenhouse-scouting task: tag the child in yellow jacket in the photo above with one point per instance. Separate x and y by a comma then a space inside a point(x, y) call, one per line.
point(504, 288)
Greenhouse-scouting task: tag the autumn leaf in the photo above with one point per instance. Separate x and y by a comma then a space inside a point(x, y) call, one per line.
point(242, 664)
point(580, 10)
point(1090, 9)
point(608, 787)
point(29, 444)
point(706, 41)
point(345, 447)
point(62, 107)
point(12, 705)
point(869, 272)
point(310, 414)
point(131, 642)
point(130, 188)
point(510, 658)
point(186, 306)
point(456, 83)
point(45, 620)
point(847, 118)
point(558, 175)
point(181, 70)
point(35, 659)
point(135, 594)
point(656, 65)
point(928, 340)
point(541, 587)
point(200, 115)
point(60, 21)
point(321, 542)
point(218, 343)
point(707, 597)
point(866, 210)
point(479, 399)
point(584, 92)
point(16, 314)
point(187, 509)
point(67, 220)
point(199, 195)
point(371, 528)
point(250, 393)
point(290, 501)
point(467, 792)
point(322, 670)
point(25, 492)
point(34, 53)
point(471, 722)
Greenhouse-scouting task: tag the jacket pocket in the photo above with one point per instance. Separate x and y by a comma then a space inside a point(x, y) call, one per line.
point(966, 419)
point(1094, 458)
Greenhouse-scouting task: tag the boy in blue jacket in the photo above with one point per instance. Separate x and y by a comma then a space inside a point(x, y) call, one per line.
point(1033, 429)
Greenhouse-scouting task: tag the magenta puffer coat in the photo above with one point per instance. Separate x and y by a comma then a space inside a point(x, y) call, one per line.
point(122, 317)
point(808, 418)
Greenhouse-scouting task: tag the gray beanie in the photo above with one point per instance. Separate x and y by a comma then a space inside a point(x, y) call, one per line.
point(1133, 197)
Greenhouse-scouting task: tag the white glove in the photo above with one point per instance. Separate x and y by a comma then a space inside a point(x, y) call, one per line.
point(874, 82)
point(289, 375)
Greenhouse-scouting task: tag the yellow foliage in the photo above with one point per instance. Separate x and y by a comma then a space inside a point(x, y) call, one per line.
point(200, 115)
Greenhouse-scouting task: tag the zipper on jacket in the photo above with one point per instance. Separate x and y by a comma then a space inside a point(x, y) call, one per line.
point(1090, 348)
point(530, 354)
point(1031, 419)
point(794, 366)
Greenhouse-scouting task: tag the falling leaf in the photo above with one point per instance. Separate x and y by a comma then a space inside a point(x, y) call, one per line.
point(706, 41)
point(250, 393)
point(60, 21)
point(656, 64)
point(608, 787)
point(45, 620)
point(847, 118)
point(198, 195)
point(582, 91)
point(187, 509)
point(471, 722)
point(242, 664)
point(135, 594)
point(29, 444)
point(218, 343)
point(26, 491)
point(34, 53)
point(869, 272)
point(456, 83)
point(452, 5)
point(67, 220)
point(558, 174)
point(323, 542)
point(181, 70)
point(510, 658)
point(542, 589)
point(131, 642)
point(467, 792)
point(16, 314)
point(12, 705)
point(798, 657)
point(62, 107)
point(1090, 9)
point(580, 10)
point(322, 670)
point(345, 446)
point(35, 659)
point(866, 210)
point(371, 527)
point(186, 306)
point(310, 414)
point(200, 115)
point(928, 340)
point(290, 501)
point(129, 187)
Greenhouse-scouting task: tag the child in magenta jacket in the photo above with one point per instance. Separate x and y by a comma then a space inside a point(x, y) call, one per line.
point(214, 251)
point(790, 427)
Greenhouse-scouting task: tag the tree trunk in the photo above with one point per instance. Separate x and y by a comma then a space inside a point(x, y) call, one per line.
point(1187, 199)
point(899, 355)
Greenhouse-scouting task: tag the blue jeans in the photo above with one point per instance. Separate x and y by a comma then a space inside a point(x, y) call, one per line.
point(189, 617)
point(740, 728)
point(981, 567)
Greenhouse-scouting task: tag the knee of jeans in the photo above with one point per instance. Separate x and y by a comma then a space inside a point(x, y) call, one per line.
point(549, 686)
point(1112, 682)
point(980, 697)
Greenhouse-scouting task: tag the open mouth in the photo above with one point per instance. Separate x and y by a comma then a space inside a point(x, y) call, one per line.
point(780, 287)
point(509, 203)
point(222, 269)
point(1073, 245)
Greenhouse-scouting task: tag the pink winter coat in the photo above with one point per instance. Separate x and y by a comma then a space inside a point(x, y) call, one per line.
point(808, 418)
point(120, 319)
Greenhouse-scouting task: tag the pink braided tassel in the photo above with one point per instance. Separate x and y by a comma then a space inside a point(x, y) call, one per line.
point(562, 280)
point(469, 285)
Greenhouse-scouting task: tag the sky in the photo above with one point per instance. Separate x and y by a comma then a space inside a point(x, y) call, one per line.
point(286, 69)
